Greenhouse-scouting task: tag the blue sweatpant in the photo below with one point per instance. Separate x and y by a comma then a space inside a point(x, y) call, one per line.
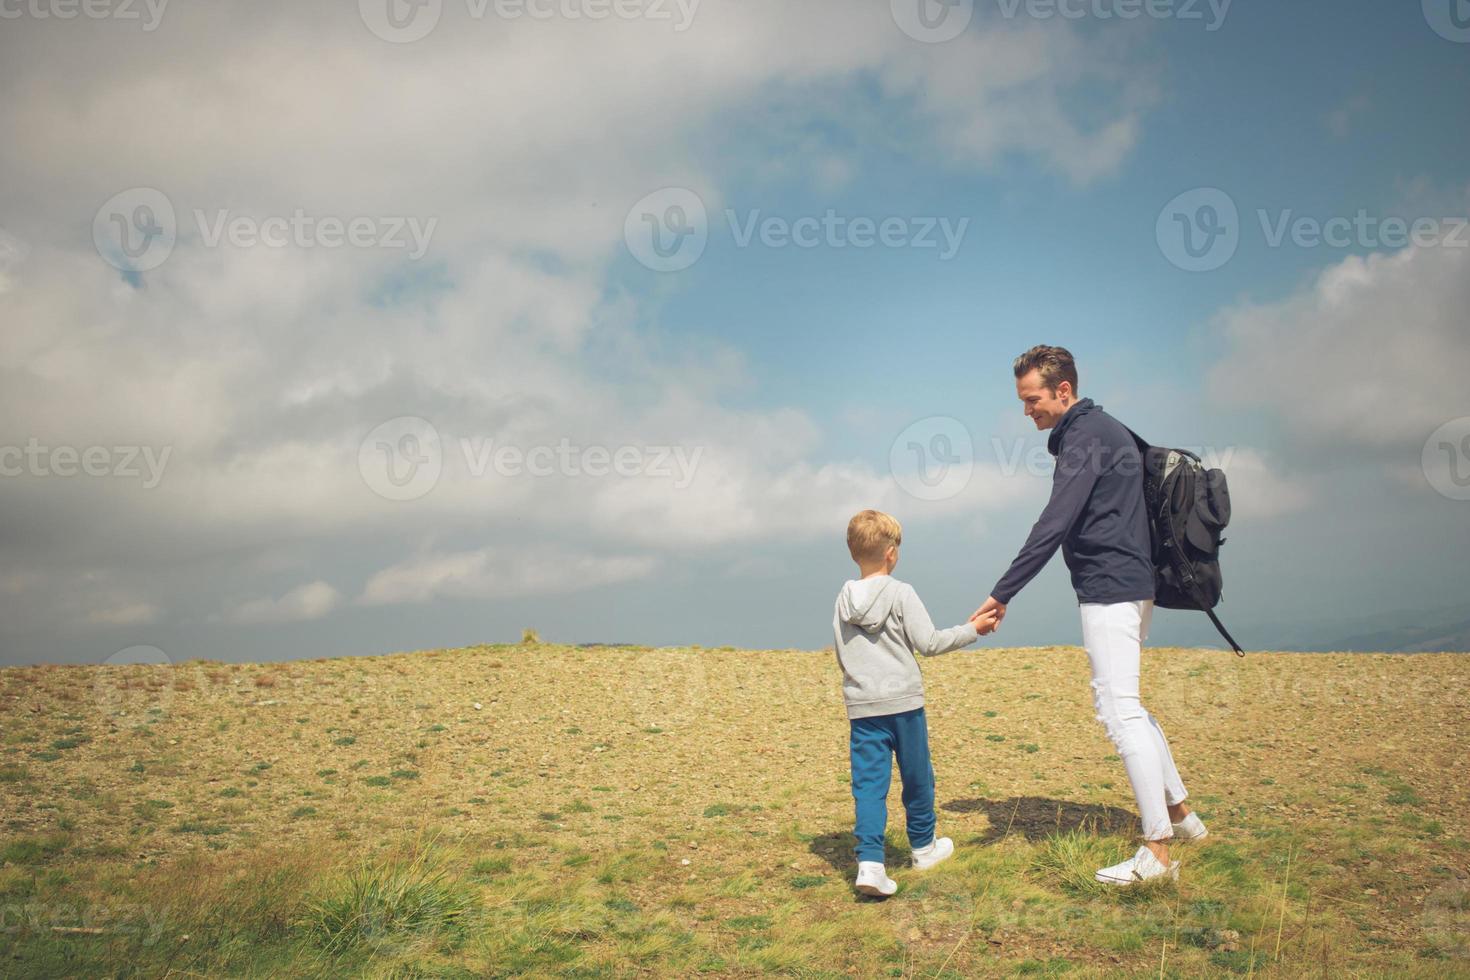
point(875, 741)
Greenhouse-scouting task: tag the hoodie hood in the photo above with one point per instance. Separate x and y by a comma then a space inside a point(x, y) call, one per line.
point(1081, 407)
point(866, 603)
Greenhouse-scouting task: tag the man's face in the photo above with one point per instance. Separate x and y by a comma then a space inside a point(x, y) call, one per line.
point(1043, 406)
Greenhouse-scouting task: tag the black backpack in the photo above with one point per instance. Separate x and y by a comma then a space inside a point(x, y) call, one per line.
point(1188, 508)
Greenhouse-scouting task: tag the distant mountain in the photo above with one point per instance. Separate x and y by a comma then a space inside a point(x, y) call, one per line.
point(1454, 638)
point(1442, 630)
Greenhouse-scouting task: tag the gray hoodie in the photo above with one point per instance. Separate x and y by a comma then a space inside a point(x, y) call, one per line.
point(880, 623)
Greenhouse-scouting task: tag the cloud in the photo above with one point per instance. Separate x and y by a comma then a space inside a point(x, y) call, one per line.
point(1261, 487)
point(261, 369)
point(1341, 119)
point(310, 601)
point(128, 614)
point(1368, 358)
point(491, 573)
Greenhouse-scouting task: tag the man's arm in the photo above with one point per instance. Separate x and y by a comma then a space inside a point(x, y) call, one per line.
point(1071, 485)
point(919, 629)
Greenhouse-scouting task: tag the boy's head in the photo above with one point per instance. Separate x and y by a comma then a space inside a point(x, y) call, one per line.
point(873, 538)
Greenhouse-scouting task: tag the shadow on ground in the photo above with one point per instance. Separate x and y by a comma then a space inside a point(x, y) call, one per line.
point(1031, 817)
point(1039, 817)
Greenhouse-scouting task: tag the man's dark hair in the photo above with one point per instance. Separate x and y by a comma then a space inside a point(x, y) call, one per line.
point(1054, 363)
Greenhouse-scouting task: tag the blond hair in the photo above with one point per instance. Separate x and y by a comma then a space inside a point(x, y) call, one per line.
point(870, 533)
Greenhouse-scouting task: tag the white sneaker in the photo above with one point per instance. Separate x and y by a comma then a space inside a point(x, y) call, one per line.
point(1190, 828)
point(937, 850)
point(872, 879)
point(1140, 867)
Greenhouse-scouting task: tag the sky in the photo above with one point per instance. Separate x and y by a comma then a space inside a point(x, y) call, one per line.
point(342, 329)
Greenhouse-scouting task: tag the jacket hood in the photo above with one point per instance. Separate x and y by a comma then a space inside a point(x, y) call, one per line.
point(1084, 406)
point(866, 603)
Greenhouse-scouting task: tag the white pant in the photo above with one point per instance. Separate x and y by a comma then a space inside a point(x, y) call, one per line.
point(1113, 634)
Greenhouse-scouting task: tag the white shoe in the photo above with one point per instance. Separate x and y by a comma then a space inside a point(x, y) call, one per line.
point(1190, 828)
point(937, 850)
point(872, 879)
point(1140, 867)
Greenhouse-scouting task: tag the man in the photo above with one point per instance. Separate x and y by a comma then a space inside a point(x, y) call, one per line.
point(1097, 515)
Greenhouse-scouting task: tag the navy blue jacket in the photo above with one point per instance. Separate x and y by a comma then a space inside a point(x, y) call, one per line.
point(1096, 513)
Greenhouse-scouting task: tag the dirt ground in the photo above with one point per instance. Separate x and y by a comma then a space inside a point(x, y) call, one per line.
point(733, 761)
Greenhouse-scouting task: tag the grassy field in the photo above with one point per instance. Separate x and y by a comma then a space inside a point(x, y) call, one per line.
point(550, 811)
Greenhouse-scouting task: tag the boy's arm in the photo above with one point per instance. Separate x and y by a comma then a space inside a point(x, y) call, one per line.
point(919, 629)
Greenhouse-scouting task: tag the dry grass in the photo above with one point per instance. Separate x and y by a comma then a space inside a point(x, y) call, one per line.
point(682, 811)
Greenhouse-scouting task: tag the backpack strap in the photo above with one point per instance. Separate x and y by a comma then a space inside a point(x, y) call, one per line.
point(1186, 578)
point(1224, 632)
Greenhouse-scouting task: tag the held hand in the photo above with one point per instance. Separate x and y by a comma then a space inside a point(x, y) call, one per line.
point(985, 623)
point(991, 606)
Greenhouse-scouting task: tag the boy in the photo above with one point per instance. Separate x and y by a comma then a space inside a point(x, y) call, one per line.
point(879, 623)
